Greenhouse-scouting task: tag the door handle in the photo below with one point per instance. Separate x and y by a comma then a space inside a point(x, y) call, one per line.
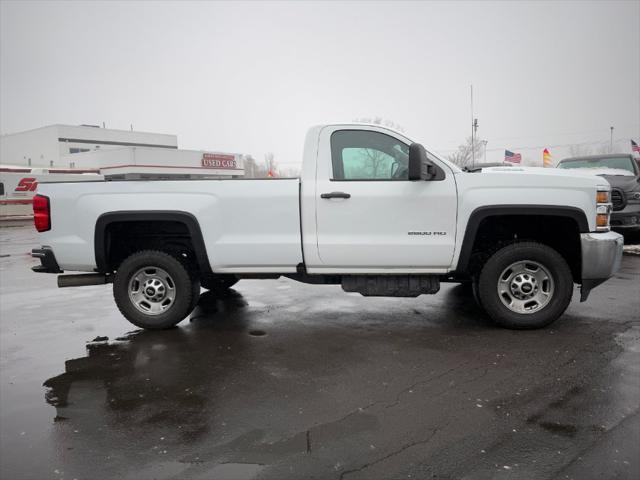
point(335, 195)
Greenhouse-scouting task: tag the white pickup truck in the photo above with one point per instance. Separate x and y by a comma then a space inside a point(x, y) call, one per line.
point(372, 211)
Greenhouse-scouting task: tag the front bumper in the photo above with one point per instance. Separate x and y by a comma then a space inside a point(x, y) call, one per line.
point(601, 257)
point(627, 218)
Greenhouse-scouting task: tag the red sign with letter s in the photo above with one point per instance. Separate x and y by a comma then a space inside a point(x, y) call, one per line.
point(27, 185)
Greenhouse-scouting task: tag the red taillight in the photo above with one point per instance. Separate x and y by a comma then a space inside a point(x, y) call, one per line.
point(41, 213)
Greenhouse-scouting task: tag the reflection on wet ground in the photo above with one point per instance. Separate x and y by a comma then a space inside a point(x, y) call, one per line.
point(216, 396)
point(280, 380)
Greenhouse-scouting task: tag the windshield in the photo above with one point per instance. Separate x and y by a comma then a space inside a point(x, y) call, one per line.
point(618, 163)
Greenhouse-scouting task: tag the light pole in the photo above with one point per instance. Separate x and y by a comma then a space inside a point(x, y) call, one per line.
point(474, 134)
point(484, 142)
point(473, 128)
point(611, 142)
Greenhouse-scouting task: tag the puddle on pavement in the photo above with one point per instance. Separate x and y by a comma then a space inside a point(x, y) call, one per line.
point(232, 471)
point(175, 469)
point(559, 428)
point(159, 471)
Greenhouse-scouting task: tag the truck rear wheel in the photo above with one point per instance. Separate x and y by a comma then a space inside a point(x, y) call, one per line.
point(525, 285)
point(154, 290)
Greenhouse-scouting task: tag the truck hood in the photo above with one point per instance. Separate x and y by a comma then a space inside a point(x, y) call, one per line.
point(617, 178)
point(622, 179)
point(529, 186)
point(550, 172)
point(523, 183)
point(625, 183)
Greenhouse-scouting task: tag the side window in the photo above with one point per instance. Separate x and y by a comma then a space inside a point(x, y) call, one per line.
point(1, 188)
point(367, 155)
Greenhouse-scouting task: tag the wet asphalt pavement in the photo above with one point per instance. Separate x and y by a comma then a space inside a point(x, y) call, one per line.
point(280, 380)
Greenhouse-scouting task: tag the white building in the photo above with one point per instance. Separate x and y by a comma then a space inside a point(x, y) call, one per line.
point(68, 152)
point(114, 153)
point(159, 163)
point(51, 146)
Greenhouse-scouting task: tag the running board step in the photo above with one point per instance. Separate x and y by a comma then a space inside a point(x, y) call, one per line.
point(83, 279)
point(391, 285)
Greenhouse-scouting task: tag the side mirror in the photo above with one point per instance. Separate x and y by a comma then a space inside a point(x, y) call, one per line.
point(429, 171)
point(420, 167)
point(417, 158)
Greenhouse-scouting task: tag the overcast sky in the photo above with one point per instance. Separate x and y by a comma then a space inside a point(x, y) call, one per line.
point(252, 77)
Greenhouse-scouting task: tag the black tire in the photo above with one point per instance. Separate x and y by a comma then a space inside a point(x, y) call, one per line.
point(195, 283)
point(178, 280)
point(195, 294)
point(220, 282)
point(557, 301)
point(476, 294)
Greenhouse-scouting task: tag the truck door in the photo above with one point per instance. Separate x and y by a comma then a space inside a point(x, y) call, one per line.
point(369, 216)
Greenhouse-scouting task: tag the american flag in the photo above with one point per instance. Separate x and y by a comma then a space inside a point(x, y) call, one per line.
point(635, 147)
point(511, 157)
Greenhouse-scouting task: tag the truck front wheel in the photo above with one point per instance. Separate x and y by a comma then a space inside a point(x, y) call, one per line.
point(525, 285)
point(154, 290)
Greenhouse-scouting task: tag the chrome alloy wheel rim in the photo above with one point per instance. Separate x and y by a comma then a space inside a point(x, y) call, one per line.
point(152, 290)
point(525, 287)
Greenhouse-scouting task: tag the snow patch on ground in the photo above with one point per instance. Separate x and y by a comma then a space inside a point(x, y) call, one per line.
point(632, 249)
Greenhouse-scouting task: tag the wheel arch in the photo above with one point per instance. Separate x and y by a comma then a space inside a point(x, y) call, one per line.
point(485, 213)
point(186, 219)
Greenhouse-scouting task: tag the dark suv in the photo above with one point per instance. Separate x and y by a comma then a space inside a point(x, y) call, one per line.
point(623, 173)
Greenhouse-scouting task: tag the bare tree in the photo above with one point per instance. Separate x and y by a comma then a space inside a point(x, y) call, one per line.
point(603, 148)
point(375, 160)
point(463, 156)
point(289, 172)
point(380, 121)
point(270, 165)
point(254, 170)
point(250, 166)
point(579, 150)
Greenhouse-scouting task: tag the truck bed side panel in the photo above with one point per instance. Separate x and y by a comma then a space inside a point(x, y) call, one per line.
point(247, 225)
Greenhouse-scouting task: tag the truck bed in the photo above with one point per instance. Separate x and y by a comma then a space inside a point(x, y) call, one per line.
point(247, 225)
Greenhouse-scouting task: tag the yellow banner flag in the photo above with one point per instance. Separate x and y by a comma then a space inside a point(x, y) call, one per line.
point(546, 158)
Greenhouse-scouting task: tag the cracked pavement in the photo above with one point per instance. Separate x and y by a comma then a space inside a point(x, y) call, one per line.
point(280, 380)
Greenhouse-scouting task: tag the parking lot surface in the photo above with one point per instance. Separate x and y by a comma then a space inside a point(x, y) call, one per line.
point(282, 380)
